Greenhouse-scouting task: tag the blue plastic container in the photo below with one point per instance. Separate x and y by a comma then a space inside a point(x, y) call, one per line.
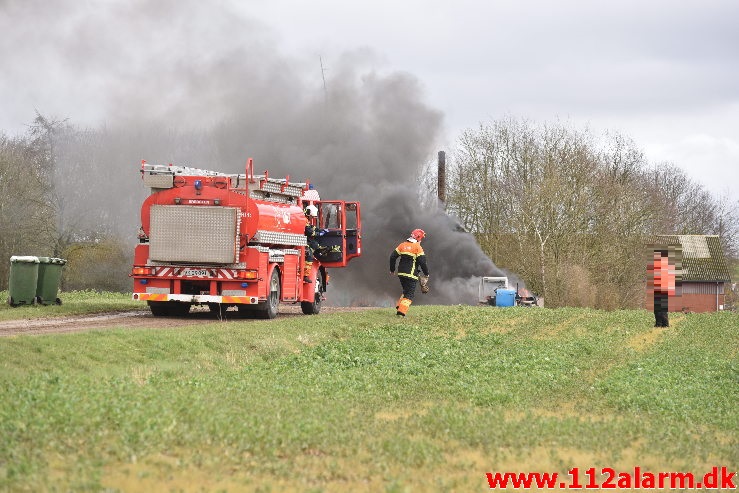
point(505, 297)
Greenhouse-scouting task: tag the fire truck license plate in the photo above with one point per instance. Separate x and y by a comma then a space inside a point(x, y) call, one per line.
point(194, 273)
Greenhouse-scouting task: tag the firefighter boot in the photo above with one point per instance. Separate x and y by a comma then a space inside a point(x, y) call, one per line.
point(397, 303)
point(306, 272)
point(403, 306)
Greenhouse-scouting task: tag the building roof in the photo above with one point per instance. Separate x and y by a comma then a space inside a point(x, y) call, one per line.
point(703, 259)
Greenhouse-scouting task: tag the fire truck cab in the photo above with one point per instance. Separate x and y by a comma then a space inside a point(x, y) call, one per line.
point(236, 240)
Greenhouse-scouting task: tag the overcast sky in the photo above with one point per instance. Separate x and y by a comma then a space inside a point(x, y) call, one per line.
point(665, 73)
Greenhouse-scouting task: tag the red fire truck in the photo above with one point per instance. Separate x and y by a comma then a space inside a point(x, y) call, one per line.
point(236, 240)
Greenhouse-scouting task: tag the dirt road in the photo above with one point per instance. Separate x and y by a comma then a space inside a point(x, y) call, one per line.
point(135, 319)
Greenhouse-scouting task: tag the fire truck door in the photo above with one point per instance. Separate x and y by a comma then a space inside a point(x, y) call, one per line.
point(332, 240)
point(340, 241)
point(352, 230)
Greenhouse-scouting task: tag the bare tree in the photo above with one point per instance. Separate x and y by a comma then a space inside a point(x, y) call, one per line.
point(726, 225)
point(570, 213)
point(525, 189)
point(25, 214)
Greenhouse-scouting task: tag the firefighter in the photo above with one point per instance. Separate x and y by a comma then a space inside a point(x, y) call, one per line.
point(412, 260)
point(311, 234)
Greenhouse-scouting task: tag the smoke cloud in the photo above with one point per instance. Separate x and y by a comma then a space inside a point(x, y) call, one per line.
point(192, 83)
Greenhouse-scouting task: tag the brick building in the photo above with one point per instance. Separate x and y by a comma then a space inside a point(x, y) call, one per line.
point(705, 274)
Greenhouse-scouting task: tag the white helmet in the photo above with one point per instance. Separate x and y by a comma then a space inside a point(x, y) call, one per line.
point(311, 210)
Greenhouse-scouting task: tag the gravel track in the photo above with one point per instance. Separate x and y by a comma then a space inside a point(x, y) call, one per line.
point(137, 319)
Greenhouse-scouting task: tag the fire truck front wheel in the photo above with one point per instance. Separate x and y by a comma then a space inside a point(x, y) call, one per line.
point(268, 309)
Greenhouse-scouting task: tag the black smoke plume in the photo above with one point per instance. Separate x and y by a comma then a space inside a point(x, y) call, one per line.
point(201, 84)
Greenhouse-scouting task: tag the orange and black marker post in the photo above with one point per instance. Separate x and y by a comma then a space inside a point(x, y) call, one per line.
point(664, 280)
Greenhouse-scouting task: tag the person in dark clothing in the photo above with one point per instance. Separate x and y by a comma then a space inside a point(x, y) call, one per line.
point(412, 261)
point(662, 281)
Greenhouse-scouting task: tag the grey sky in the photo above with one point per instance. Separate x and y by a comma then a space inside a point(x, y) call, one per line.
point(665, 73)
point(662, 72)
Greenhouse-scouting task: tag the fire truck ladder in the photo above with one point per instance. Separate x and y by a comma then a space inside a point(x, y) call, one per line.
point(160, 177)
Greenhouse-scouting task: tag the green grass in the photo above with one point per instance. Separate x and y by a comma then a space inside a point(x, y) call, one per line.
point(73, 303)
point(365, 402)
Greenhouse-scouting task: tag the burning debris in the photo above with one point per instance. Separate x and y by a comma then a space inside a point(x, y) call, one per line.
point(495, 291)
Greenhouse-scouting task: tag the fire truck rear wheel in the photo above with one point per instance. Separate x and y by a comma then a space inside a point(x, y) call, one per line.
point(269, 308)
point(168, 308)
point(315, 307)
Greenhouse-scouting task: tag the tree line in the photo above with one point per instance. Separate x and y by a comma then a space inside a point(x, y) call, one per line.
point(45, 207)
point(567, 211)
point(571, 213)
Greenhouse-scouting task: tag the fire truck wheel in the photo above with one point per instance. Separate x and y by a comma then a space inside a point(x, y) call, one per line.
point(269, 308)
point(159, 308)
point(168, 308)
point(179, 309)
point(315, 307)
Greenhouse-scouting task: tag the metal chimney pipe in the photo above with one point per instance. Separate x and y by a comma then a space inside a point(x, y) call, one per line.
point(441, 185)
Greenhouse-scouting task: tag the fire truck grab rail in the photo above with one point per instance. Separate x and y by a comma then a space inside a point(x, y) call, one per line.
point(160, 169)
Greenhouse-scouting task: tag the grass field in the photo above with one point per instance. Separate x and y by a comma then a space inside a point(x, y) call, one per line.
point(73, 303)
point(365, 402)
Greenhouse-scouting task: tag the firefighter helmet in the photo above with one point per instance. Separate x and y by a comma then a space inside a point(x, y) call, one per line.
point(418, 234)
point(311, 210)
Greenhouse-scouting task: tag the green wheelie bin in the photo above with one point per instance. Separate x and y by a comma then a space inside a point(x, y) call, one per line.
point(22, 282)
point(49, 275)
